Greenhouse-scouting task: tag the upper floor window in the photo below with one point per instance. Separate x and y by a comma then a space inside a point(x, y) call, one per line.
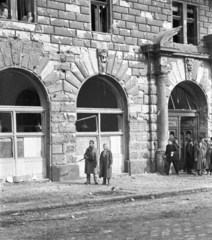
point(21, 10)
point(100, 15)
point(185, 15)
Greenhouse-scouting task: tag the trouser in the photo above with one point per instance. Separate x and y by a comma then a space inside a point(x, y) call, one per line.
point(104, 180)
point(175, 163)
point(89, 178)
point(189, 165)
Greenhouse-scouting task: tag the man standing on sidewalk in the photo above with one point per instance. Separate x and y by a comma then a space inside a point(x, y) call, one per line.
point(171, 157)
point(90, 157)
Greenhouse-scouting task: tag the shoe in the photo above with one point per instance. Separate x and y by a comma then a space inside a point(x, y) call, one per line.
point(96, 183)
point(86, 183)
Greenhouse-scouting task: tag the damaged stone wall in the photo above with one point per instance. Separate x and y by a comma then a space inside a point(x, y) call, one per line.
point(67, 50)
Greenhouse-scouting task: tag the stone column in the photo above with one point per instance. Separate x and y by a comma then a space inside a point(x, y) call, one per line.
point(162, 112)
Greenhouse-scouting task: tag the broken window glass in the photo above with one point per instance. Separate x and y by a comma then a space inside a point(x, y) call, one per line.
point(86, 122)
point(28, 122)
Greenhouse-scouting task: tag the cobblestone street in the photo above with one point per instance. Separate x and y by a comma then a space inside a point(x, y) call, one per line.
point(180, 217)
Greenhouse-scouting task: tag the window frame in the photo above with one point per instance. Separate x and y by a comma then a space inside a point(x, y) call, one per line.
point(109, 15)
point(13, 8)
point(185, 20)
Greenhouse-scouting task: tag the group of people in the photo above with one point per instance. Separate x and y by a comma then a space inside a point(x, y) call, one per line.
point(91, 164)
point(196, 156)
point(24, 10)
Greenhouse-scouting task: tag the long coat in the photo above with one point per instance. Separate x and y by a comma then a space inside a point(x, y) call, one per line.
point(209, 156)
point(169, 149)
point(189, 155)
point(199, 153)
point(105, 164)
point(90, 160)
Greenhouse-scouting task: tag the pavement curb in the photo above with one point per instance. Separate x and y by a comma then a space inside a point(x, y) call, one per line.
point(109, 199)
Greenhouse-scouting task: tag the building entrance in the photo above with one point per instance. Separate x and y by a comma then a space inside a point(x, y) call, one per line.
point(187, 116)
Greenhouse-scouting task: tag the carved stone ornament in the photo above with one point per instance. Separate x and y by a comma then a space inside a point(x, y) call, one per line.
point(189, 62)
point(165, 36)
point(162, 66)
point(102, 59)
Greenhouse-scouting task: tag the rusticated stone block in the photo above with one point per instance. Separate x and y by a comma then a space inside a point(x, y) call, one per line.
point(68, 148)
point(62, 138)
point(6, 52)
point(58, 159)
point(68, 87)
point(33, 61)
point(57, 87)
point(70, 77)
point(65, 172)
point(61, 97)
point(16, 52)
point(2, 65)
point(59, 22)
point(58, 117)
point(68, 107)
point(57, 148)
point(67, 127)
point(41, 64)
point(138, 166)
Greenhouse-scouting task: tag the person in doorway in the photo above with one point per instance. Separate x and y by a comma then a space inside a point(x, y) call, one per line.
point(105, 165)
point(209, 157)
point(189, 155)
point(90, 157)
point(171, 156)
point(187, 137)
point(3, 10)
point(204, 148)
point(198, 157)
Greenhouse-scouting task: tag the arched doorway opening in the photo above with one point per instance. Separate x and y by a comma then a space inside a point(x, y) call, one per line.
point(22, 125)
point(101, 116)
point(188, 114)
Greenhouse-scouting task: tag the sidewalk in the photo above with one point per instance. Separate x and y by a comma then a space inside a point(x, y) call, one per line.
point(33, 196)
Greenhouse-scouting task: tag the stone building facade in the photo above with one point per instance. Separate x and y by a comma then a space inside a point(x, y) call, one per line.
point(125, 73)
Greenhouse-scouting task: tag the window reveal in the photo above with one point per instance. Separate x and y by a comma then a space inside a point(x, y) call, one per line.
point(186, 16)
point(100, 15)
point(21, 10)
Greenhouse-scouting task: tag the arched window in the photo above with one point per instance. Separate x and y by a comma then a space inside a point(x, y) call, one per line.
point(22, 124)
point(100, 116)
point(182, 99)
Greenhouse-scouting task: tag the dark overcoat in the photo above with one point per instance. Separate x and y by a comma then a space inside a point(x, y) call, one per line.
point(91, 160)
point(189, 155)
point(199, 153)
point(209, 156)
point(169, 149)
point(105, 164)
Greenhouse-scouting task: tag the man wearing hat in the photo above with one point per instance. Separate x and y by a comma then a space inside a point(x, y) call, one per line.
point(171, 156)
point(90, 157)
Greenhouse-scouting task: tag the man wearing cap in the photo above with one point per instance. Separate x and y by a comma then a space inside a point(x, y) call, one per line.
point(171, 156)
point(90, 157)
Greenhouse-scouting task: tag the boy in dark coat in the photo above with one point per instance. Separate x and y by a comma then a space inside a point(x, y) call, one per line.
point(105, 165)
point(90, 157)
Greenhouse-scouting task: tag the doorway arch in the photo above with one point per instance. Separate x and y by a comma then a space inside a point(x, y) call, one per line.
point(188, 114)
point(101, 116)
point(23, 104)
